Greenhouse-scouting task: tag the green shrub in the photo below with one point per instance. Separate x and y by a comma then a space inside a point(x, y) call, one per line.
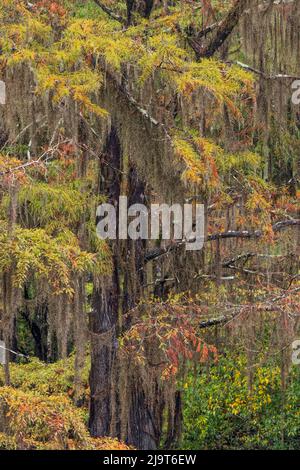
point(221, 413)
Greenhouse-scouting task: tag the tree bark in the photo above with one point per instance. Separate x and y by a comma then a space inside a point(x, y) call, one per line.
point(104, 317)
point(115, 410)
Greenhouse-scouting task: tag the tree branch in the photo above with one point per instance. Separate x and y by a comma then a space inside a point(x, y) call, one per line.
point(268, 305)
point(110, 13)
point(278, 76)
point(223, 31)
point(215, 321)
point(157, 252)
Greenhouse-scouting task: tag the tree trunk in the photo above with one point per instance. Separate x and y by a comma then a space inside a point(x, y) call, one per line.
point(104, 317)
point(117, 410)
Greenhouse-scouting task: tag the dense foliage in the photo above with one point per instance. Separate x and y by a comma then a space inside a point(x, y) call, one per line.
point(221, 413)
point(37, 411)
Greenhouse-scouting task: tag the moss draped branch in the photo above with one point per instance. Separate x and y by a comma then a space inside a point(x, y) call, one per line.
point(246, 234)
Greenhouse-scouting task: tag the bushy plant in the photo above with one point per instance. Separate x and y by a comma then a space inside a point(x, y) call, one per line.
point(220, 412)
point(37, 411)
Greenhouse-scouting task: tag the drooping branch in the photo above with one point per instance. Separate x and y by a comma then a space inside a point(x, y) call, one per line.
point(157, 252)
point(139, 108)
point(122, 90)
point(255, 234)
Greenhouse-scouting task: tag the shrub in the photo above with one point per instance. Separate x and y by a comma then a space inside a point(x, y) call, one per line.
point(221, 413)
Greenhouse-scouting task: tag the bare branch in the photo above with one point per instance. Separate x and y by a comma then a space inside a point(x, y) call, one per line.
point(39, 161)
point(156, 253)
point(279, 76)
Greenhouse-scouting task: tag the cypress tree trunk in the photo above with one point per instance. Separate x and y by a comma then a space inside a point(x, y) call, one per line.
point(115, 410)
point(104, 317)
